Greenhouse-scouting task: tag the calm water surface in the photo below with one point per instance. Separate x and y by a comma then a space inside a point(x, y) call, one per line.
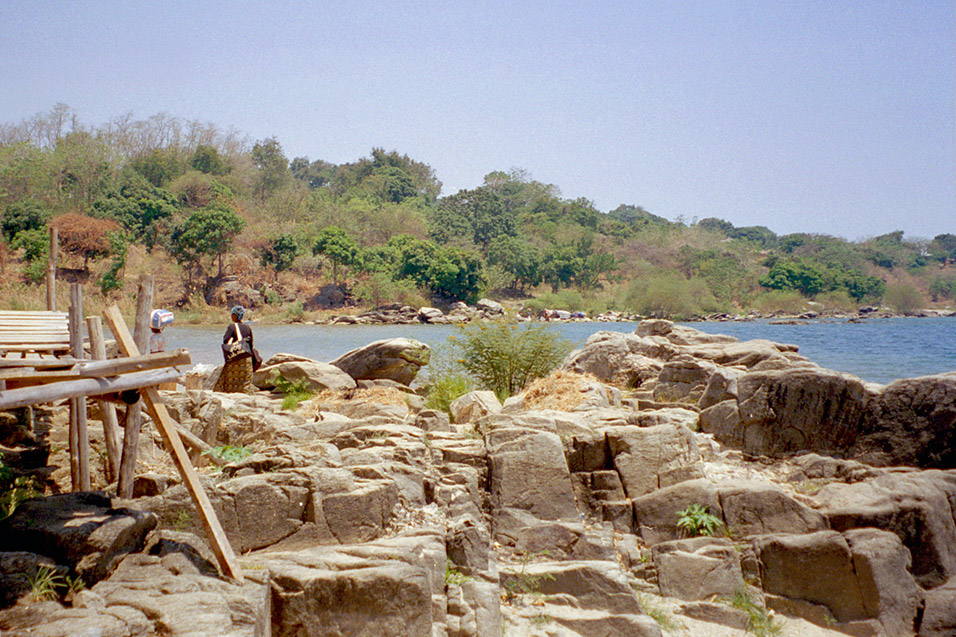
point(878, 350)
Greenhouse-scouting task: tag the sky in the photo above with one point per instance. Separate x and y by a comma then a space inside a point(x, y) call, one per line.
point(828, 117)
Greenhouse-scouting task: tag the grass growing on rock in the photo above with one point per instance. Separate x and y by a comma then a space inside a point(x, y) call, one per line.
point(560, 390)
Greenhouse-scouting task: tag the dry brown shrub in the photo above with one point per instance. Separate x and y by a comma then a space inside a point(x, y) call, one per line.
point(84, 236)
point(378, 395)
point(560, 390)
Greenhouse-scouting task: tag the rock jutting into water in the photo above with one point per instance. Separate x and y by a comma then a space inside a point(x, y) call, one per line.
point(828, 504)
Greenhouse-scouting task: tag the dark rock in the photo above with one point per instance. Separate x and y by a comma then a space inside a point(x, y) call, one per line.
point(81, 530)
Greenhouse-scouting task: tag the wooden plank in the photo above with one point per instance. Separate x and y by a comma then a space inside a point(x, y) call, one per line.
point(167, 429)
point(36, 362)
point(97, 369)
point(16, 313)
point(52, 392)
point(117, 366)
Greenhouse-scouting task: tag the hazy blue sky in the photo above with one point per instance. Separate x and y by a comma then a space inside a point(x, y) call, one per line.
point(831, 117)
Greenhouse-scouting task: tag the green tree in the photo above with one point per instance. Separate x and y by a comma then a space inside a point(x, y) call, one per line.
point(207, 159)
point(456, 275)
point(481, 210)
point(35, 244)
point(316, 174)
point(23, 215)
point(81, 168)
point(943, 247)
point(271, 165)
point(338, 246)
point(160, 165)
point(206, 232)
point(140, 207)
point(519, 258)
point(794, 274)
point(279, 253)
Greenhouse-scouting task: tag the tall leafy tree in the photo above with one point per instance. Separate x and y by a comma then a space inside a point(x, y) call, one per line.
point(279, 253)
point(206, 159)
point(206, 232)
point(272, 167)
point(338, 246)
point(480, 210)
point(139, 206)
point(23, 215)
point(519, 258)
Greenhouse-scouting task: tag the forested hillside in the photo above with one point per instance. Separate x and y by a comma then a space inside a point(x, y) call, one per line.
point(191, 203)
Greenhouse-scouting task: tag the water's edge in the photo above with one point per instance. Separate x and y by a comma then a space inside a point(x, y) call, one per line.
point(877, 350)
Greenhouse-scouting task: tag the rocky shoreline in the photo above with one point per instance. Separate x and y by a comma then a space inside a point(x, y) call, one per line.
point(485, 309)
point(562, 511)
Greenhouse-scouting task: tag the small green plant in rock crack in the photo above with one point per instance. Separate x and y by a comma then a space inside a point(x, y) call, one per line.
point(541, 618)
point(654, 609)
point(15, 489)
point(695, 520)
point(183, 521)
point(760, 622)
point(44, 584)
point(229, 453)
point(293, 391)
point(454, 577)
point(524, 583)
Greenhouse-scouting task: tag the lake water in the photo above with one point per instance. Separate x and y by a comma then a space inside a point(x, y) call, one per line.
point(878, 350)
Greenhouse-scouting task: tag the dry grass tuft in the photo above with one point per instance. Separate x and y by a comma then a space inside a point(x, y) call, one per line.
point(378, 395)
point(560, 390)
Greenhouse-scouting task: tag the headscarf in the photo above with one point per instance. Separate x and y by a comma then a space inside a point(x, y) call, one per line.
point(238, 310)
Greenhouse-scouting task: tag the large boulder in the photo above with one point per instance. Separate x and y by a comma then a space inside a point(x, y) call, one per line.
point(229, 291)
point(913, 423)
point(746, 507)
point(939, 618)
point(698, 568)
point(619, 357)
point(919, 508)
point(782, 411)
point(81, 530)
point(389, 587)
point(153, 595)
point(860, 579)
point(315, 376)
point(397, 359)
point(330, 297)
point(474, 405)
point(529, 473)
point(751, 507)
point(649, 458)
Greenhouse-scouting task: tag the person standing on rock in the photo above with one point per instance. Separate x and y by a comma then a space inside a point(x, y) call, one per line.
point(237, 349)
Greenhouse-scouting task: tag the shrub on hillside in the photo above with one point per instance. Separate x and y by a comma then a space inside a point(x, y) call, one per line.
point(836, 301)
point(903, 298)
point(669, 295)
point(782, 301)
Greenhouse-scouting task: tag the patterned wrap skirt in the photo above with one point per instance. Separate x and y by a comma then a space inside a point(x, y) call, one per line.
point(236, 377)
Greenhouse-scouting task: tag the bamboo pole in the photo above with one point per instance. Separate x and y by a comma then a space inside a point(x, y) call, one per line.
point(134, 416)
point(51, 271)
point(79, 436)
point(94, 326)
point(168, 430)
